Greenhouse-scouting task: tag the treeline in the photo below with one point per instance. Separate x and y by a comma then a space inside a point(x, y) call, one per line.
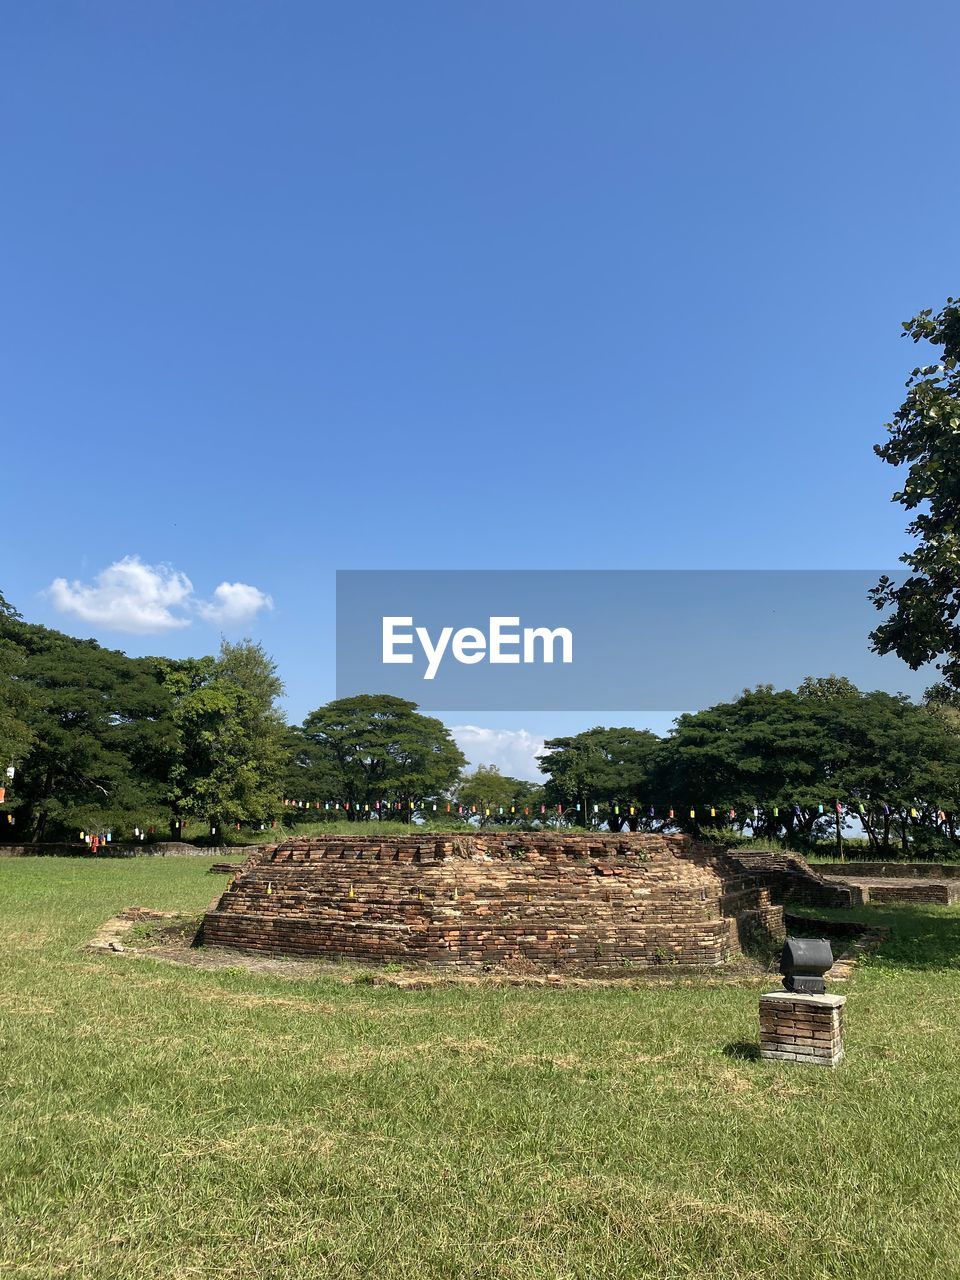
point(99, 741)
point(795, 766)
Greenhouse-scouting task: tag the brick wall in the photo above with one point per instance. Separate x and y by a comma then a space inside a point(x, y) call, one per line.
point(944, 894)
point(895, 870)
point(788, 876)
point(542, 901)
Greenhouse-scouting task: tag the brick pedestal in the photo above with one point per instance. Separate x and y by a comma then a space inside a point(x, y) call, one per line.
point(797, 1028)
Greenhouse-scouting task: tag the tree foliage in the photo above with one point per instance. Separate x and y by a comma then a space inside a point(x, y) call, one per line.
point(943, 701)
point(490, 797)
point(101, 740)
point(783, 761)
point(925, 437)
point(16, 735)
point(604, 767)
point(376, 747)
point(228, 753)
point(104, 741)
point(98, 732)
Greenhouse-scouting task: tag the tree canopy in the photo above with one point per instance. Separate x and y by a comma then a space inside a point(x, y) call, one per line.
point(98, 731)
point(608, 768)
point(924, 436)
point(228, 755)
point(782, 761)
point(102, 741)
point(497, 798)
point(15, 732)
point(374, 747)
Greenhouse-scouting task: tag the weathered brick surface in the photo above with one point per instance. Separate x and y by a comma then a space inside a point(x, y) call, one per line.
point(788, 876)
point(800, 1028)
point(910, 891)
point(894, 870)
point(563, 901)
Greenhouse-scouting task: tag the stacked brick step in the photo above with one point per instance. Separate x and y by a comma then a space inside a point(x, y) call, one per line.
point(548, 901)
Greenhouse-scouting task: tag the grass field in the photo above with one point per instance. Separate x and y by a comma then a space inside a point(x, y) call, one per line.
point(166, 1122)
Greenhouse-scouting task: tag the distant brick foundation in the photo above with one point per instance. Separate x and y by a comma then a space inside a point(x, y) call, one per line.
point(893, 870)
point(564, 901)
point(910, 891)
point(878, 882)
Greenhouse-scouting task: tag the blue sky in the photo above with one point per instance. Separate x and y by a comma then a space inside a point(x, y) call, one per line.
point(296, 287)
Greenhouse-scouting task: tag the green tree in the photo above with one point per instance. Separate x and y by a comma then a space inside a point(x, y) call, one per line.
point(827, 687)
point(228, 759)
point(925, 436)
point(247, 667)
point(895, 764)
point(378, 747)
point(487, 791)
point(943, 701)
point(15, 733)
point(761, 756)
point(100, 734)
point(783, 761)
point(312, 775)
point(609, 768)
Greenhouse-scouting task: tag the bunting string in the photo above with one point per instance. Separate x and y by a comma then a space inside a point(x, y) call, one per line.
point(867, 811)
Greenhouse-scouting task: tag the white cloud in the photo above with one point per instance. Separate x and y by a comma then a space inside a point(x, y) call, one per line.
point(513, 751)
point(128, 596)
point(234, 603)
point(142, 598)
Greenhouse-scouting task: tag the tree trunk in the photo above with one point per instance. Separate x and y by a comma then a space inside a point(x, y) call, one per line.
point(870, 829)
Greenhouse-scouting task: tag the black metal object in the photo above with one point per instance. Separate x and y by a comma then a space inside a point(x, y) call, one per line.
point(803, 963)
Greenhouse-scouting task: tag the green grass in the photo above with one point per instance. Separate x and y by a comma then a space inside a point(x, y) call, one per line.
point(168, 1122)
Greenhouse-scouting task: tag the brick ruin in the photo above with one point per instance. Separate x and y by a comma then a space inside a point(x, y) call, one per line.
point(534, 902)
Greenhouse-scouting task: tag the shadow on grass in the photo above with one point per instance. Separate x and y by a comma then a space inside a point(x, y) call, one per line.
point(742, 1050)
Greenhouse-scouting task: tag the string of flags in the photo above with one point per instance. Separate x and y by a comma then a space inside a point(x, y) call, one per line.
point(865, 812)
point(97, 838)
point(94, 839)
point(383, 808)
point(380, 807)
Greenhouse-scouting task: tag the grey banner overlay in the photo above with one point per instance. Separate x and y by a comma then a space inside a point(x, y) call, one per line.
point(639, 640)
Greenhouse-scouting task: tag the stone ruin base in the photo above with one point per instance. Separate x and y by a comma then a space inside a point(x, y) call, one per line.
point(539, 902)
